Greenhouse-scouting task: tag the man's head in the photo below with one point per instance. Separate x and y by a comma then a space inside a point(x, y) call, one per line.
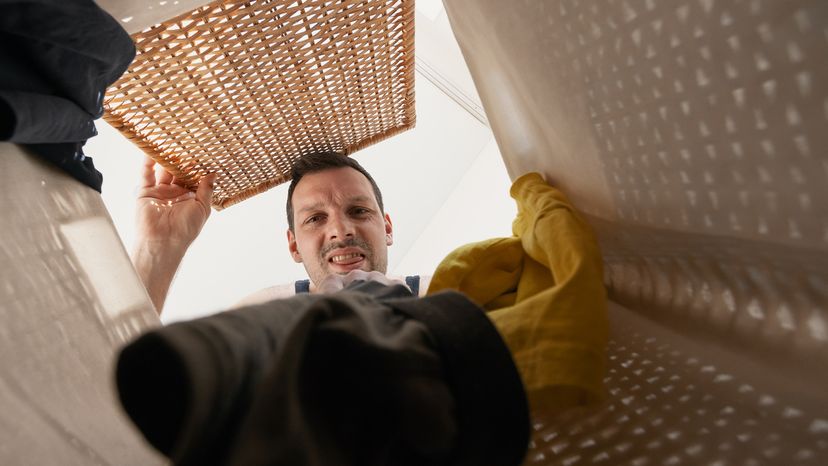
point(335, 217)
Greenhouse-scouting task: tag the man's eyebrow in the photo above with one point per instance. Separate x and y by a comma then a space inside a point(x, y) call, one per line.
point(315, 206)
point(321, 205)
point(360, 199)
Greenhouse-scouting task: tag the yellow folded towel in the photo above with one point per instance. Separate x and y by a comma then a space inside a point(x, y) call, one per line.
point(543, 289)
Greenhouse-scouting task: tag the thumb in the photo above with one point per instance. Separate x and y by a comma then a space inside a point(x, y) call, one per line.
point(204, 194)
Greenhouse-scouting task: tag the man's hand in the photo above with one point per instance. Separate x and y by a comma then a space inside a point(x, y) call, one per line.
point(168, 212)
point(333, 283)
point(169, 217)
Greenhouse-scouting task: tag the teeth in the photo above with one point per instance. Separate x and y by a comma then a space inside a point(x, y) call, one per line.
point(345, 257)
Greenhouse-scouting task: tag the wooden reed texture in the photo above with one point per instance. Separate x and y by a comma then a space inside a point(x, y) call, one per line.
point(243, 89)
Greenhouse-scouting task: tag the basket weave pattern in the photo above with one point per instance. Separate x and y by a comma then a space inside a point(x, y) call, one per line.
point(242, 89)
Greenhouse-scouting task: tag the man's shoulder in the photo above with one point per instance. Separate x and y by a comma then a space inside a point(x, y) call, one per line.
point(270, 293)
point(422, 283)
point(425, 280)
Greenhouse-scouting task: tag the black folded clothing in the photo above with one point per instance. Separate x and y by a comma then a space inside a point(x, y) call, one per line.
point(57, 58)
point(366, 376)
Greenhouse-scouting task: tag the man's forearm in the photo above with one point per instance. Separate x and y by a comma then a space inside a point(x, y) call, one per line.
point(156, 265)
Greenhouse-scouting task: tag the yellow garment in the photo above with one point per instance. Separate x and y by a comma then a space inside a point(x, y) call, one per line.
point(543, 289)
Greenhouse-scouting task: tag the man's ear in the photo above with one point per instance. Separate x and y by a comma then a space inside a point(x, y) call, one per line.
point(294, 252)
point(389, 231)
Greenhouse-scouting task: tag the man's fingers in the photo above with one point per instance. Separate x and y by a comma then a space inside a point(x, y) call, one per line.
point(165, 177)
point(331, 284)
point(148, 174)
point(204, 193)
point(355, 275)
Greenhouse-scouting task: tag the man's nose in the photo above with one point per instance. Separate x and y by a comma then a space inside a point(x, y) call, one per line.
point(340, 227)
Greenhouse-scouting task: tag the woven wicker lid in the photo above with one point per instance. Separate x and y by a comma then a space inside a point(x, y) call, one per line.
point(242, 89)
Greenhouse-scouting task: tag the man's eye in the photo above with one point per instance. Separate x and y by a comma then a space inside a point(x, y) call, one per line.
point(313, 219)
point(360, 211)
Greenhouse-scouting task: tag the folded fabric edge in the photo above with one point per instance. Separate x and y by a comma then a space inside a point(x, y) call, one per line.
point(493, 411)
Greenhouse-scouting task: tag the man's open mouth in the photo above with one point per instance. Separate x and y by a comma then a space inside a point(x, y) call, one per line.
point(346, 259)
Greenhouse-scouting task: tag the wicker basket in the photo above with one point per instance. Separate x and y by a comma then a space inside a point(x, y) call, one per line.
point(242, 89)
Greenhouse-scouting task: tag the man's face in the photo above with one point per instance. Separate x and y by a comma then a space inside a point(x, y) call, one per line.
point(338, 225)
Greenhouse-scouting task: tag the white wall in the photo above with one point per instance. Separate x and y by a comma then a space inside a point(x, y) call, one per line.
point(478, 208)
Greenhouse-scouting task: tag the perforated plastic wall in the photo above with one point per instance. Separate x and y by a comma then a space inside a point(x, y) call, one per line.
point(677, 400)
point(69, 298)
point(694, 135)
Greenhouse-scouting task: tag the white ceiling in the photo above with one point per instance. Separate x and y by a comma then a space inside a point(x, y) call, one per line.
point(443, 182)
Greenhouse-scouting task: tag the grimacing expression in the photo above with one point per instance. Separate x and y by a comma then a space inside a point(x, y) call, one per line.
point(338, 225)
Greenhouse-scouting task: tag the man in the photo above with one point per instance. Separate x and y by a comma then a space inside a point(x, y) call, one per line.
point(338, 228)
point(357, 378)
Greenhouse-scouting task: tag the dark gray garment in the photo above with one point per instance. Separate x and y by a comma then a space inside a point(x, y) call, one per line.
point(353, 378)
point(57, 58)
